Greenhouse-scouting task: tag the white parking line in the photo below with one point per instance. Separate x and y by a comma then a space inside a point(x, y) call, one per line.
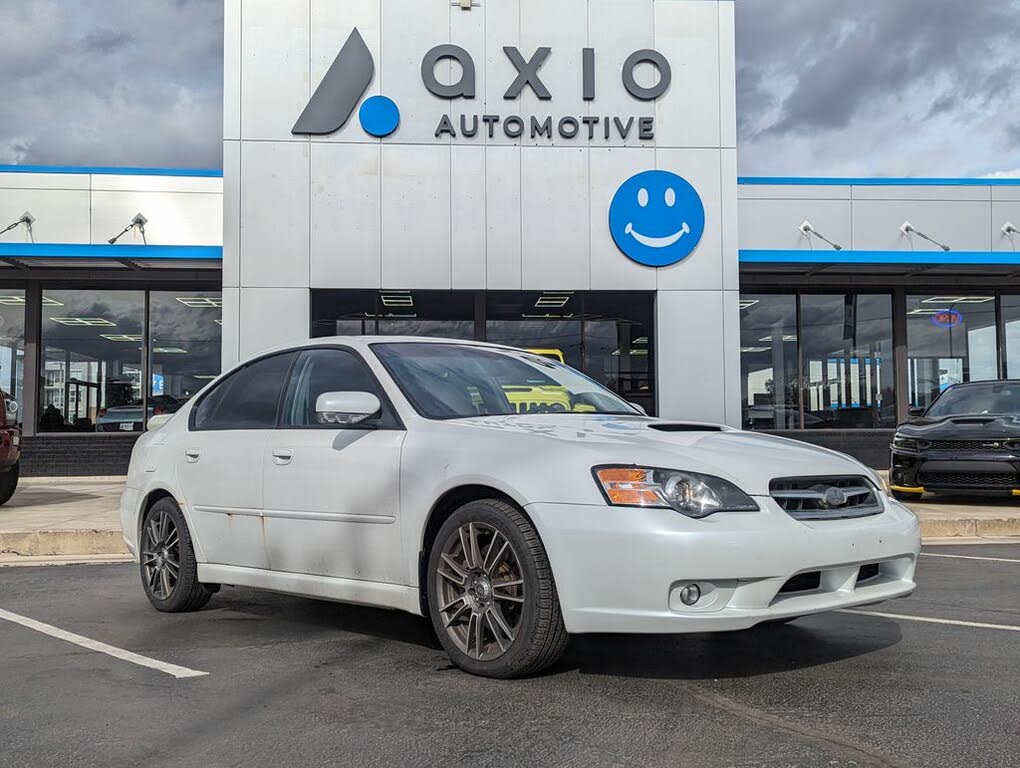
point(971, 557)
point(929, 620)
point(95, 645)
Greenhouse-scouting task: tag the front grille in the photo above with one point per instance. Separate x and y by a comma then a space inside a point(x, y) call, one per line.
point(826, 498)
point(803, 582)
point(866, 572)
point(970, 445)
point(996, 480)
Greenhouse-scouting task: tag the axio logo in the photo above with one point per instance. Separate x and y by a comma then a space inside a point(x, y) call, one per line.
point(340, 91)
point(657, 218)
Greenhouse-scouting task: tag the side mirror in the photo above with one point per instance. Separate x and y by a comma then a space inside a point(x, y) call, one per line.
point(915, 413)
point(344, 408)
point(155, 422)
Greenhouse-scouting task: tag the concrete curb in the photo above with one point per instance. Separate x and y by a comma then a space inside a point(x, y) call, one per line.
point(972, 527)
point(71, 542)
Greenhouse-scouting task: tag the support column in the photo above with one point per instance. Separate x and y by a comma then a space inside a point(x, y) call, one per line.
point(32, 386)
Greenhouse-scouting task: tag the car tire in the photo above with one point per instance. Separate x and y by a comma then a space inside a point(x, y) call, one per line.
point(491, 595)
point(9, 483)
point(166, 560)
point(907, 496)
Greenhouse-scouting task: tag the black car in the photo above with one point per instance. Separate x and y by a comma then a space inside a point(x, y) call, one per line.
point(967, 440)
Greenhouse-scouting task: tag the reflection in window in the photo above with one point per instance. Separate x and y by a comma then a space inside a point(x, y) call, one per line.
point(184, 346)
point(768, 361)
point(1011, 328)
point(547, 323)
point(847, 350)
point(951, 338)
point(12, 350)
point(619, 345)
point(92, 360)
point(444, 314)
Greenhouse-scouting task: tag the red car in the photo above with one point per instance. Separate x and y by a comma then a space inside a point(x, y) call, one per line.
point(10, 447)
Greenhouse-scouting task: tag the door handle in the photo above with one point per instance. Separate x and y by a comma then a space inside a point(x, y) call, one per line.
point(282, 455)
point(192, 454)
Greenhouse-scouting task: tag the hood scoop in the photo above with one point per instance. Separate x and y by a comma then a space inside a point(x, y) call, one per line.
point(685, 428)
point(973, 420)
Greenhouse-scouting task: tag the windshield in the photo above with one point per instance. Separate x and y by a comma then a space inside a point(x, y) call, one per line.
point(973, 399)
point(452, 381)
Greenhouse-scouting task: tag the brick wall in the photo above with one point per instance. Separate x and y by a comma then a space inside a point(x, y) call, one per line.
point(77, 455)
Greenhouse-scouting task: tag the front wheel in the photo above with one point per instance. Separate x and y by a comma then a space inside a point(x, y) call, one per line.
point(167, 561)
point(491, 594)
point(9, 483)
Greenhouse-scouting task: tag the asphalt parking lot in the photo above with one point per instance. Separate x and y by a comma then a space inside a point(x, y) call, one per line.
point(294, 682)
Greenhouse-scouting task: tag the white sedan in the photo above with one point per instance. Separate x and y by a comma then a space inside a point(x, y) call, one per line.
point(504, 496)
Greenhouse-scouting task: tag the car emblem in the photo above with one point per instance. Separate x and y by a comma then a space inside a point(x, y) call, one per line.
point(834, 497)
point(991, 445)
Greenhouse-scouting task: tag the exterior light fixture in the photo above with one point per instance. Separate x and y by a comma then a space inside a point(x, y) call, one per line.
point(908, 229)
point(1009, 229)
point(807, 230)
point(28, 220)
point(138, 222)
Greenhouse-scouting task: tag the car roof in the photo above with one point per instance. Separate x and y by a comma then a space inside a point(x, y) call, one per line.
point(362, 342)
point(986, 382)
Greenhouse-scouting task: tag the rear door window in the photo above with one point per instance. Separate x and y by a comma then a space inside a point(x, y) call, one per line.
point(247, 399)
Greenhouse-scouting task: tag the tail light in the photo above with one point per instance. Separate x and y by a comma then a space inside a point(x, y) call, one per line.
point(102, 412)
point(157, 410)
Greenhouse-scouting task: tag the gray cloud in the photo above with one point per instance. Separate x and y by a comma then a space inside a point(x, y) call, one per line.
point(878, 87)
point(122, 82)
point(825, 87)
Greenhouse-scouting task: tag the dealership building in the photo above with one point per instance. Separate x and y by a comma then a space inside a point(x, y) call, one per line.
point(555, 176)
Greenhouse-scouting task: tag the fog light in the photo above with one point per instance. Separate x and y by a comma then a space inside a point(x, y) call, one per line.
point(690, 594)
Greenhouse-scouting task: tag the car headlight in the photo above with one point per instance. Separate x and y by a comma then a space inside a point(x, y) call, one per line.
point(909, 443)
point(689, 493)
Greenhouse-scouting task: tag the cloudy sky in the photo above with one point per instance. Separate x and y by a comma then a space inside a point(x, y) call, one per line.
point(825, 87)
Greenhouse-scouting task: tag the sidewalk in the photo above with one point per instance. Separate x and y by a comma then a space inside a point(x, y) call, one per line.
point(79, 517)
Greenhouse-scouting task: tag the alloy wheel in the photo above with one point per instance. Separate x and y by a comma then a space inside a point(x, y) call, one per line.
point(161, 555)
point(480, 589)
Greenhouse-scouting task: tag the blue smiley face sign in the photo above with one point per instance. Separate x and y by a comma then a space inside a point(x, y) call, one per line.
point(657, 218)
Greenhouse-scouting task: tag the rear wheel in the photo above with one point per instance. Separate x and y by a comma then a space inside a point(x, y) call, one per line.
point(167, 561)
point(491, 594)
point(907, 496)
point(9, 483)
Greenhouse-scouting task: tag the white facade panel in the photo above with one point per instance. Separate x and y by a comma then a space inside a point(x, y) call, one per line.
point(231, 213)
point(954, 193)
point(728, 74)
point(346, 223)
point(730, 213)
point(795, 192)
point(275, 69)
point(555, 227)
point(21, 180)
point(270, 317)
point(62, 216)
point(231, 69)
point(610, 270)
point(467, 218)
point(185, 219)
point(502, 27)
point(503, 218)
point(230, 338)
point(274, 214)
point(332, 23)
point(703, 269)
point(1003, 213)
point(687, 34)
point(775, 224)
point(962, 225)
point(416, 216)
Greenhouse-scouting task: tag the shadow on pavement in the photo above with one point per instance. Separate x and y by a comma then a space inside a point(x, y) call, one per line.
point(762, 651)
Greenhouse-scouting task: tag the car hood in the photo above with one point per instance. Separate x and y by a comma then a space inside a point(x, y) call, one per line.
point(976, 427)
point(748, 459)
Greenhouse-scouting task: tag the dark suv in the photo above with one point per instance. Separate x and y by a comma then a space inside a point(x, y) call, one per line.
point(967, 440)
point(10, 447)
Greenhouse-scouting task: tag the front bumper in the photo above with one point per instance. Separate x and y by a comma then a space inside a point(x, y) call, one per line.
point(622, 569)
point(954, 471)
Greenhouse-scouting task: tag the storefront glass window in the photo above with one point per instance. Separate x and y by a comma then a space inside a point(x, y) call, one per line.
point(548, 323)
point(951, 338)
point(184, 346)
point(444, 314)
point(847, 361)
point(768, 361)
point(92, 359)
point(1011, 329)
point(619, 349)
point(12, 350)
